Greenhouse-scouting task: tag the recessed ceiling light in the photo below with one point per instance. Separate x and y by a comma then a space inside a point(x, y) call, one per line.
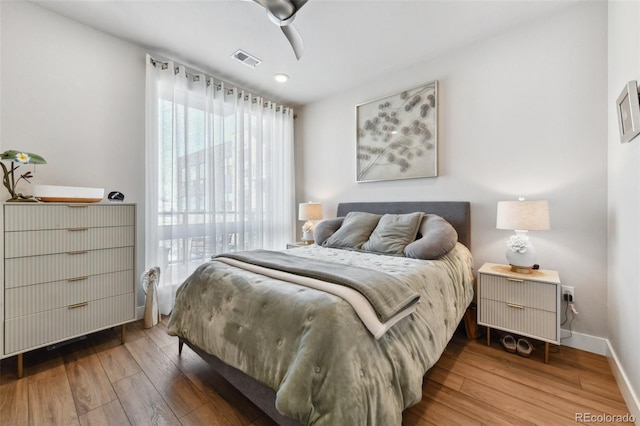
point(281, 78)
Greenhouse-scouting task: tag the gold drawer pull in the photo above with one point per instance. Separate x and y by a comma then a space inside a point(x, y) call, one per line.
point(77, 229)
point(513, 280)
point(513, 305)
point(77, 205)
point(78, 252)
point(78, 305)
point(77, 279)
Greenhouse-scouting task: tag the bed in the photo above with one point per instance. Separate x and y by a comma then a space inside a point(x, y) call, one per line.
point(303, 355)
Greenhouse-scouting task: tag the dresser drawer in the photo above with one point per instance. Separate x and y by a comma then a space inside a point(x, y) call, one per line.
point(20, 301)
point(22, 271)
point(53, 326)
point(36, 243)
point(521, 319)
point(31, 217)
point(533, 294)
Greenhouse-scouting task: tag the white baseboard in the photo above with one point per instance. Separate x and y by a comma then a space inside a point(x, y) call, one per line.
point(585, 342)
point(602, 346)
point(628, 393)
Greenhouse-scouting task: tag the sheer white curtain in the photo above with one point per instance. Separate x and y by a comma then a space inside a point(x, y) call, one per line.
point(219, 173)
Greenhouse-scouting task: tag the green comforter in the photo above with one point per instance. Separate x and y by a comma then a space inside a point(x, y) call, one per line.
point(386, 294)
point(309, 346)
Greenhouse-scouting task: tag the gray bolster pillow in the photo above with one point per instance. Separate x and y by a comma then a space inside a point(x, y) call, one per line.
point(437, 238)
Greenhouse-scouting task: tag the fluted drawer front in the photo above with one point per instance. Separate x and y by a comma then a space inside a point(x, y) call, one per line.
point(22, 271)
point(532, 294)
point(35, 243)
point(20, 301)
point(534, 322)
point(49, 327)
point(61, 216)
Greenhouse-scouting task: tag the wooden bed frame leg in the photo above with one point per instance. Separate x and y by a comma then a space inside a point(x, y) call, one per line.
point(180, 345)
point(470, 322)
point(20, 366)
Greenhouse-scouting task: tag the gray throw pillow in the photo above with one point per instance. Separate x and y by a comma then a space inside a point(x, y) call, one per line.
point(326, 228)
point(438, 237)
point(393, 233)
point(354, 232)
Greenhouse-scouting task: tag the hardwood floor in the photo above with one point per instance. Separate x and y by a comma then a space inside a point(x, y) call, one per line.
point(97, 381)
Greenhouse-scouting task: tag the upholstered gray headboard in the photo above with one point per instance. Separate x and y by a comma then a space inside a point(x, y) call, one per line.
point(457, 213)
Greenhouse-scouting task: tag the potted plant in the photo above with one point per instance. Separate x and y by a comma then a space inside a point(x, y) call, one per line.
point(9, 180)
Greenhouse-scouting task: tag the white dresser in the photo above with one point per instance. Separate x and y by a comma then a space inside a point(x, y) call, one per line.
point(523, 304)
point(69, 270)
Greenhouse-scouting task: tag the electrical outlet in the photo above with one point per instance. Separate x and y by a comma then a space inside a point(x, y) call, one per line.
point(570, 291)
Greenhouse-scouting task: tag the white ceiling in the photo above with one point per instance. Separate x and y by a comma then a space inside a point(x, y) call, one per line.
point(347, 42)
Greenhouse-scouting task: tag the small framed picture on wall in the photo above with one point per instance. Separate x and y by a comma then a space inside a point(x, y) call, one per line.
point(628, 109)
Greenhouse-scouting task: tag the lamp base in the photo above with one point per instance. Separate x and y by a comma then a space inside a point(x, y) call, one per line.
point(521, 269)
point(521, 262)
point(307, 236)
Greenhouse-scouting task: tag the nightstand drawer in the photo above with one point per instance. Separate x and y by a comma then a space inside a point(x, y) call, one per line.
point(27, 300)
point(36, 243)
point(59, 324)
point(533, 294)
point(520, 319)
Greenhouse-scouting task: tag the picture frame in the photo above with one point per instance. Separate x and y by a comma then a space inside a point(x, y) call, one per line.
point(628, 111)
point(397, 135)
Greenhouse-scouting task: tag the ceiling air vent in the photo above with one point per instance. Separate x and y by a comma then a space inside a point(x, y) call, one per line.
point(247, 59)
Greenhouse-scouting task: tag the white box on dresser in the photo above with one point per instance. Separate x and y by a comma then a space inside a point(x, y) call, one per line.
point(69, 270)
point(523, 304)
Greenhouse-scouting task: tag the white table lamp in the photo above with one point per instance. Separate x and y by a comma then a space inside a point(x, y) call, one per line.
point(522, 216)
point(309, 212)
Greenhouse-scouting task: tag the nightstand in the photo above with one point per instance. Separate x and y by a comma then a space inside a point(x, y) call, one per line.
point(299, 244)
point(523, 304)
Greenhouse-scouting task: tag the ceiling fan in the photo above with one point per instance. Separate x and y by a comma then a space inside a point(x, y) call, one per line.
point(282, 13)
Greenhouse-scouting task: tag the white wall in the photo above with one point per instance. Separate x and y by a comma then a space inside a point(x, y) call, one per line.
point(624, 204)
point(75, 96)
point(523, 113)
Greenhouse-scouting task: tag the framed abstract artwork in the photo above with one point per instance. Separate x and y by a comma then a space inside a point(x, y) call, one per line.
point(628, 111)
point(397, 135)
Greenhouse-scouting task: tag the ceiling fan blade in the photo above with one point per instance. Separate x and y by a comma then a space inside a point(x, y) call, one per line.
point(281, 9)
point(299, 3)
point(282, 13)
point(294, 39)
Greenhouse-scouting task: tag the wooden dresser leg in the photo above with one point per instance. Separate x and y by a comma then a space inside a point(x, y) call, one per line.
point(20, 366)
point(488, 336)
point(123, 333)
point(546, 352)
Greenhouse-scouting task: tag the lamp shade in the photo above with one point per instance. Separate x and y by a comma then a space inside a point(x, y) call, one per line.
point(309, 211)
point(523, 215)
